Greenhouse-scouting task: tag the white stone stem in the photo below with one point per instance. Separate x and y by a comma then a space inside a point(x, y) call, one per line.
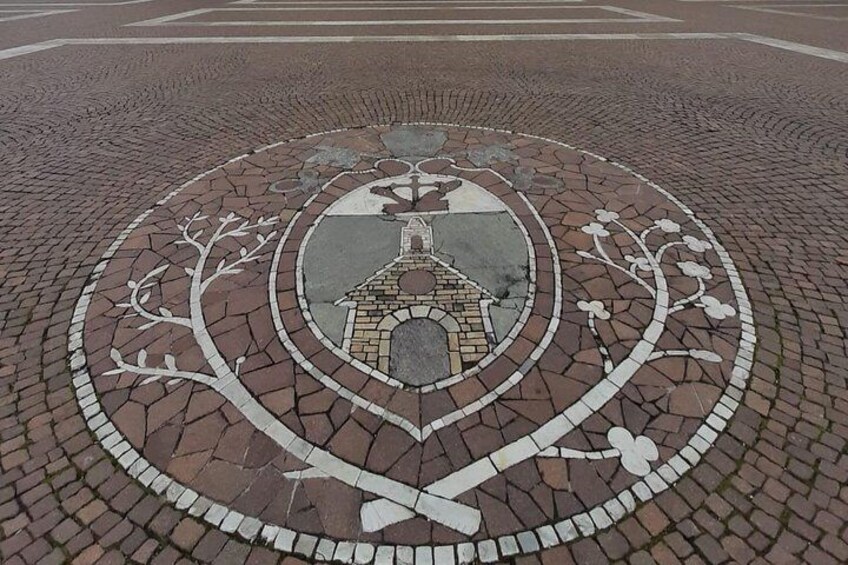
point(567, 453)
point(452, 514)
point(605, 259)
point(684, 302)
point(139, 309)
point(166, 373)
point(608, 366)
point(475, 474)
point(661, 253)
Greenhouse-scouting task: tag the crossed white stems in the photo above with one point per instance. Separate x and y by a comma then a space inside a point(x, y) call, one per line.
point(399, 501)
point(541, 441)
point(225, 380)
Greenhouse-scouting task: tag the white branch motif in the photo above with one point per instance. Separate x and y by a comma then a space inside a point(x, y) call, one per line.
point(137, 302)
point(245, 255)
point(153, 374)
point(633, 457)
point(225, 381)
point(634, 453)
point(652, 262)
point(684, 302)
point(396, 501)
point(603, 256)
point(188, 237)
point(596, 309)
point(140, 293)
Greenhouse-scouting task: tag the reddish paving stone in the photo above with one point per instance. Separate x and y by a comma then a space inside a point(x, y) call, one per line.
point(771, 145)
point(209, 546)
point(187, 534)
point(90, 555)
point(652, 519)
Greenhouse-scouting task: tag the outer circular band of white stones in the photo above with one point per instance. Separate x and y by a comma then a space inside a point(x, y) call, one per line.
point(400, 501)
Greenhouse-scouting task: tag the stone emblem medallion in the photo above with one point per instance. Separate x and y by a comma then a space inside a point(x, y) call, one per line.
point(412, 344)
point(418, 276)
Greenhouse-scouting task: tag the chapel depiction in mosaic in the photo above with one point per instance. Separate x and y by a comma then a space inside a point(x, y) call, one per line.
point(418, 287)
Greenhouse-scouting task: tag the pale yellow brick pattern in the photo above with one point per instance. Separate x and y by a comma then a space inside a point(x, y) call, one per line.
point(382, 296)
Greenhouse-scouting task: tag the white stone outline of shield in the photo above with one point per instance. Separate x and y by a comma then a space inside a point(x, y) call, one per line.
point(376, 373)
point(423, 432)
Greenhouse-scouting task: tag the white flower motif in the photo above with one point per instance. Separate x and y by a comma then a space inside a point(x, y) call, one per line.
point(693, 269)
point(595, 307)
point(606, 216)
point(695, 244)
point(641, 262)
point(668, 226)
point(714, 308)
point(595, 229)
point(635, 452)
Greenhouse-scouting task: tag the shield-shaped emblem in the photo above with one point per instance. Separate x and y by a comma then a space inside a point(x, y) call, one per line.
point(419, 277)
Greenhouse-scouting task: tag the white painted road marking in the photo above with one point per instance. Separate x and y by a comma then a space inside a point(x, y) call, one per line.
point(441, 3)
point(21, 14)
point(383, 9)
point(840, 56)
point(72, 4)
point(781, 10)
point(819, 52)
point(179, 19)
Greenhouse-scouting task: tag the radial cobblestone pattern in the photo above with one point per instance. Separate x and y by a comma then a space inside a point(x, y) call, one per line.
point(202, 371)
point(747, 135)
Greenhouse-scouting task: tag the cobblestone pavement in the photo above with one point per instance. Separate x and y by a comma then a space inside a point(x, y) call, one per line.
point(294, 281)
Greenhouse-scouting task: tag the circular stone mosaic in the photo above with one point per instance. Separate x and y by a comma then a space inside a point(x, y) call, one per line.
point(413, 344)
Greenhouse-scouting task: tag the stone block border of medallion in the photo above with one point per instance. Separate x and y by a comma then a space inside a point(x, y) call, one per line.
point(584, 524)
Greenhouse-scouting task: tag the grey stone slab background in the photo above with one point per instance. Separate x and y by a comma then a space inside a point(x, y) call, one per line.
point(345, 250)
point(419, 352)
